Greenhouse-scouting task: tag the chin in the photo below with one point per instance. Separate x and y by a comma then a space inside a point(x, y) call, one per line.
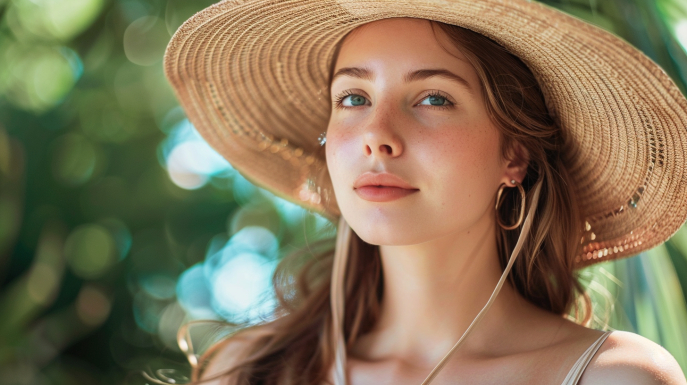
point(397, 232)
point(384, 239)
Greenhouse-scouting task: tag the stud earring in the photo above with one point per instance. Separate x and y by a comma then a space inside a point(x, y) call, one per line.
point(322, 138)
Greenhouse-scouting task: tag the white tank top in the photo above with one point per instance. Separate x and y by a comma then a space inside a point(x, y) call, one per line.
point(576, 372)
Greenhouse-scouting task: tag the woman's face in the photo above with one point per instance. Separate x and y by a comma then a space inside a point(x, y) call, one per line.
point(397, 109)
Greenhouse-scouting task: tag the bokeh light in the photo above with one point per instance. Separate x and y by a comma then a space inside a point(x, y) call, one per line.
point(92, 305)
point(240, 287)
point(74, 159)
point(234, 282)
point(193, 293)
point(51, 19)
point(158, 286)
point(264, 215)
point(189, 160)
point(37, 77)
point(681, 33)
point(239, 274)
point(171, 319)
point(42, 282)
point(148, 311)
point(145, 40)
point(120, 234)
point(90, 250)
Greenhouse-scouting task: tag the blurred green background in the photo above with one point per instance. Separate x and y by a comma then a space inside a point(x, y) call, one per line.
point(118, 223)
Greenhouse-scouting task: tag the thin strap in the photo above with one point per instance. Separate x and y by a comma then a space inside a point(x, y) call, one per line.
point(516, 251)
point(343, 240)
point(576, 372)
point(338, 370)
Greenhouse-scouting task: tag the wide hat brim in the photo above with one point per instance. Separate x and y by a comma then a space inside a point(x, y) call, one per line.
point(252, 77)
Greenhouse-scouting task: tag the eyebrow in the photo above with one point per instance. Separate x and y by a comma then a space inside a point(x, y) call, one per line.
point(421, 74)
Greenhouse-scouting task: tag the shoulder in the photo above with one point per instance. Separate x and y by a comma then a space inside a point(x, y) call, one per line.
point(628, 358)
point(221, 357)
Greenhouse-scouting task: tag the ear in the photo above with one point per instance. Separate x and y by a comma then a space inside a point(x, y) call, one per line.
point(516, 164)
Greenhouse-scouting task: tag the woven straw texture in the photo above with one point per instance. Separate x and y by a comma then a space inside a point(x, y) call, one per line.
point(252, 77)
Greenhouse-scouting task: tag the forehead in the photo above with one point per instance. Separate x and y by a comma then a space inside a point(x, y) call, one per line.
point(400, 42)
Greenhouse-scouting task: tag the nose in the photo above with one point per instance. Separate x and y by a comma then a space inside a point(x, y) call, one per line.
point(380, 137)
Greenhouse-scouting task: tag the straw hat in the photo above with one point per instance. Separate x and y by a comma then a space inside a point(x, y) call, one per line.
point(252, 77)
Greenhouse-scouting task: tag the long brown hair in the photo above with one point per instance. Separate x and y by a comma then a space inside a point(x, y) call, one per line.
point(295, 347)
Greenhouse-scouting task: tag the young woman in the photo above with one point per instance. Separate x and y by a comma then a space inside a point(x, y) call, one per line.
point(476, 154)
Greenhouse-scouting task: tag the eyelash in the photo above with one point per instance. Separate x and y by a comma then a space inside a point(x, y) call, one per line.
point(338, 100)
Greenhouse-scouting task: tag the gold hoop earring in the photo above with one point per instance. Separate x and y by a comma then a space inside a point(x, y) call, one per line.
point(522, 206)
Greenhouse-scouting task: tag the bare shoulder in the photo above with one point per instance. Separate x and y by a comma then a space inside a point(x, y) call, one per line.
point(223, 356)
point(628, 358)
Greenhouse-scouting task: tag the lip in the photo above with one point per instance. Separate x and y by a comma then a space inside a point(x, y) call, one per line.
point(382, 187)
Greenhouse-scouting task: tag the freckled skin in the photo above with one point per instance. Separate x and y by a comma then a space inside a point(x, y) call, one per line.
point(451, 155)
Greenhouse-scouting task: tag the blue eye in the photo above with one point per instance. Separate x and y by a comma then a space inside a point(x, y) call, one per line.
point(356, 100)
point(437, 100)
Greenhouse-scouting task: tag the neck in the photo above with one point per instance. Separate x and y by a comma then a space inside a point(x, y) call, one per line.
point(434, 290)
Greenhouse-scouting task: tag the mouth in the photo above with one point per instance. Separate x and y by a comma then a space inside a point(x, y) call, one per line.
point(382, 187)
point(383, 193)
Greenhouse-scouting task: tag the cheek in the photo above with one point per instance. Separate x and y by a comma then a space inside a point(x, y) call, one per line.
point(335, 150)
point(465, 164)
point(465, 151)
